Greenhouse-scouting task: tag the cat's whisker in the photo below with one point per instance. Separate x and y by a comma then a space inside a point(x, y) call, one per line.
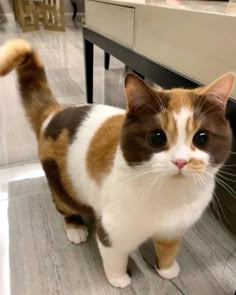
point(199, 109)
point(204, 117)
point(152, 186)
point(227, 173)
point(127, 181)
point(221, 208)
point(202, 180)
point(233, 153)
point(226, 187)
point(226, 178)
point(145, 188)
point(214, 203)
point(162, 182)
point(228, 165)
point(132, 178)
point(220, 172)
point(216, 209)
point(200, 106)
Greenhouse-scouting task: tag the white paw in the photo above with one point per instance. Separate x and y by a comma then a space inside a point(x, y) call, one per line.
point(169, 273)
point(120, 282)
point(77, 235)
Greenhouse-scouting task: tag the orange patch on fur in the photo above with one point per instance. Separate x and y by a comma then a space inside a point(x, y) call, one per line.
point(179, 98)
point(102, 148)
point(12, 54)
point(168, 124)
point(166, 252)
point(196, 165)
point(192, 127)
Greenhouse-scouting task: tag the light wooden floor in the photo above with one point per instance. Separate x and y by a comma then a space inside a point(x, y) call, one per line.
point(35, 256)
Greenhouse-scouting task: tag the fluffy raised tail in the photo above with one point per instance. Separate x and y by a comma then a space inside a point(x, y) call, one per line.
point(36, 95)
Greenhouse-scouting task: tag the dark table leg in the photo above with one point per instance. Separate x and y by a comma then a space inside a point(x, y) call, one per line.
point(107, 60)
point(75, 10)
point(88, 59)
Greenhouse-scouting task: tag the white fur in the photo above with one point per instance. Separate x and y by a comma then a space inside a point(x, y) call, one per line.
point(87, 190)
point(169, 273)
point(115, 265)
point(47, 121)
point(134, 208)
point(77, 235)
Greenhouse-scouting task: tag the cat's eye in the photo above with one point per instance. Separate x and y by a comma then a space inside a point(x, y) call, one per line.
point(157, 138)
point(201, 138)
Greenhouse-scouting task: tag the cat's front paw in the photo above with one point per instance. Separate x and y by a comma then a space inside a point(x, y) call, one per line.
point(77, 235)
point(169, 273)
point(120, 282)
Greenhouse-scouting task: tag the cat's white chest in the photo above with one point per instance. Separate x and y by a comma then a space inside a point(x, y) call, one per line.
point(134, 212)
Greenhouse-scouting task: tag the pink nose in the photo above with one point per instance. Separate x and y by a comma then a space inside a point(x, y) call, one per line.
point(180, 163)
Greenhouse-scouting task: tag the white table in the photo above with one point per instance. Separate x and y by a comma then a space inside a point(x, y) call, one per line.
point(194, 38)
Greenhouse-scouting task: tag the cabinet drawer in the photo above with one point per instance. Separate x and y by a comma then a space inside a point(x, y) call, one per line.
point(113, 21)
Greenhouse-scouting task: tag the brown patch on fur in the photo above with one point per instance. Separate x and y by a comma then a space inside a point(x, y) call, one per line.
point(134, 137)
point(102, 148)
point(69, 119)
point(53, 155)
point(102, 234)
point(74, 221)
point(166, 252)
point(210, 117)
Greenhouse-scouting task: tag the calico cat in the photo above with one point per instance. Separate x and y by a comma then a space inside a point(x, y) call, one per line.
point(144, 172)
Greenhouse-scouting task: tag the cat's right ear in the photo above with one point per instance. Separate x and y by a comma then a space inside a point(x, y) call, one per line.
point(138, 94)
point(221, 88)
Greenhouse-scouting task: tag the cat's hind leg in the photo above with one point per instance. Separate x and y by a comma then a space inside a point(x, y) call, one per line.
point(75, 228)
point(66, 204)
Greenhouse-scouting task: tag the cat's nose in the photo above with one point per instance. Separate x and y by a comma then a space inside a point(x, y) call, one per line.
point(180, 163)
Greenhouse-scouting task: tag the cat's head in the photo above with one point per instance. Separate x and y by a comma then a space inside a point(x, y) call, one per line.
point(178, 131)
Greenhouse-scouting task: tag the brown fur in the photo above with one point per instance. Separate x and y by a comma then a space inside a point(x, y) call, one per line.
point(103, 146)
point(70, 118)
point(102, 234)
point(35, 93)
point(52, 154)
point(166, 252)
point(74, 221)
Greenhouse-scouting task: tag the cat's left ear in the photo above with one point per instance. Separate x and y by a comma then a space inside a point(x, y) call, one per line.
point(138, 94)
point(221, 88)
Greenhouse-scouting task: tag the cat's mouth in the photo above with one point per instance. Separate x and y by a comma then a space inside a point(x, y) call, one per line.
point(179, 174)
